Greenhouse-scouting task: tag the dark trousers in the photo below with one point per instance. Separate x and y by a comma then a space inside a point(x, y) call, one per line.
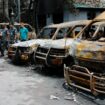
point(1, 48)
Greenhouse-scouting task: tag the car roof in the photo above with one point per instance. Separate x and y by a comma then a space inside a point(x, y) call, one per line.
point(99, 23)
point(70, 23)
point(14, 23)
point(100, 17)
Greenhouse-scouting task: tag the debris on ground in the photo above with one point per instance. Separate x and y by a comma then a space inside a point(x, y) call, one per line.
point(52, 97)
point(69, 96)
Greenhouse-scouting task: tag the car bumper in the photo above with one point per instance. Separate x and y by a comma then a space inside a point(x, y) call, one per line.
point(82, 78)
point(50, 61)
point(24, 57)
point(11, 55)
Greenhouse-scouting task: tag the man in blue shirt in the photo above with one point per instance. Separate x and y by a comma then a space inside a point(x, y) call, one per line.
point(23, 32)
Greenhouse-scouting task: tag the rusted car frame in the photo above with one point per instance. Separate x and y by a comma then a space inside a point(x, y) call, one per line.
point(81, 77)
point(88, 72)
point(23, 51)
point(54, 54)
point(13, 47)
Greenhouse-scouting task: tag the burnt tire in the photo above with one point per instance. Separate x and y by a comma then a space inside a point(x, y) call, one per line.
point(69, 61)
point(16, 58)
point(32, 61)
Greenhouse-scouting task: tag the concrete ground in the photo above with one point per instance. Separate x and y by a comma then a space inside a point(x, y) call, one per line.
point(21, 85)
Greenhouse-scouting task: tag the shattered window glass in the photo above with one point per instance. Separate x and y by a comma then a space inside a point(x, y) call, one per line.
point(74, 31)
point(100, 35)
point(62, 32)
point(47, 33)
point(89, 32)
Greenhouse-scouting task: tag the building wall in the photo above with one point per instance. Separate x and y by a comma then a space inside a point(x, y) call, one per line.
point(68, 16)
point(74, 16)
point(82, 14)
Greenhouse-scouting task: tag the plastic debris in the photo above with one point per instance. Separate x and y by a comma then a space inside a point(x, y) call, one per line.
point(52, 97)
point(69, 98)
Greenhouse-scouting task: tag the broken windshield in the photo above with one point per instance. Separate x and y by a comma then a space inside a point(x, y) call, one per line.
point(62, 32)
point(47, 33)
point(74, 31)
point(91, 32)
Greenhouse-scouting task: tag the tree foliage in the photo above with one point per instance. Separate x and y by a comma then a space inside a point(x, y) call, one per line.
point(69, 4)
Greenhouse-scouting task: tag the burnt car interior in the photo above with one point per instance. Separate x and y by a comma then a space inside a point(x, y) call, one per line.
point(74, 31)
point(46, 33)
point(62, 32)
point(95, 32)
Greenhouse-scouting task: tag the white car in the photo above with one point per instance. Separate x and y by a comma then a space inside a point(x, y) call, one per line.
point(56, 52)
point(23, 51)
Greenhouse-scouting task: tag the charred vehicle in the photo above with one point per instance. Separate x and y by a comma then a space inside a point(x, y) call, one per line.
point(88, 51)
point(23, 51)
point(56, 53)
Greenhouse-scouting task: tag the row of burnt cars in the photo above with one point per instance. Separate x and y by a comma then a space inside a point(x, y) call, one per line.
point(77, 46)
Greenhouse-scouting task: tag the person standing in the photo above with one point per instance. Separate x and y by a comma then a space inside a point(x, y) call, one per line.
point(12, 34)
point(5, 37)
point(1, 44)
point(23, 32)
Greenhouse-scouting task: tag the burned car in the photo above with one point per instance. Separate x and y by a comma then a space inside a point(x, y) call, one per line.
point(23, 51)
point(56, 53)
point(88, 50)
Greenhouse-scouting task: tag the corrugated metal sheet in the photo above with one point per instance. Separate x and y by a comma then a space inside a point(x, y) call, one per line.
point(90, 3)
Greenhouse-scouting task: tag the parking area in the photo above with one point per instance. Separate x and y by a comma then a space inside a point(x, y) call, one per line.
point(22, 85)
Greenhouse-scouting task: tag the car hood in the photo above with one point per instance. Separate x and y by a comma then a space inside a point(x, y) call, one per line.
point(93, 50)
point(30, 43)
point(59, 44)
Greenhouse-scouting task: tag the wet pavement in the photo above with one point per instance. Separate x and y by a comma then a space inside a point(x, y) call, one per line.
point(20, 85)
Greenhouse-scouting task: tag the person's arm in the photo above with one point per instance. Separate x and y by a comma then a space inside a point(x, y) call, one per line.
point(15, 33)
point(27, 33)
point(19, 36)
point(7, 35)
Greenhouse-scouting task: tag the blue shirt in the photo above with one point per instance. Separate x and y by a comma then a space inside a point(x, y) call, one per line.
point(23, 33)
